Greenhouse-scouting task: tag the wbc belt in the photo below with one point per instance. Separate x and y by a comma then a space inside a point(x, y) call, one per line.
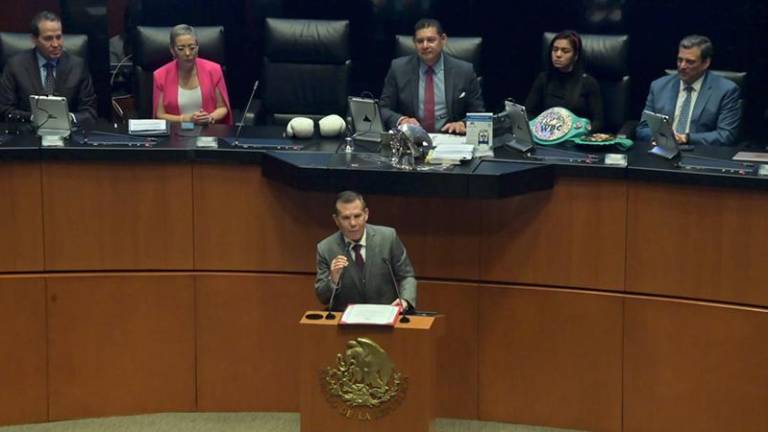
point(557, 124)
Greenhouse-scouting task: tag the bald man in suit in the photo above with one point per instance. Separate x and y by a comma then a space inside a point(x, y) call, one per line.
point(455, 91)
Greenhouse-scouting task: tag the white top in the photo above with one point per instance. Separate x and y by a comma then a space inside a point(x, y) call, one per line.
point(681, 97)
point(190, 101)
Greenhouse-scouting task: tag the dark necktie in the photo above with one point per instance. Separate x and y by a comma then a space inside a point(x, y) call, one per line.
point(359, 261)
point(685, 110)
point(429, 100)
point(50, 79)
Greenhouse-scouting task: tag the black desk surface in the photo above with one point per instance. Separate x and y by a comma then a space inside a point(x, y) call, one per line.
point(321, 164)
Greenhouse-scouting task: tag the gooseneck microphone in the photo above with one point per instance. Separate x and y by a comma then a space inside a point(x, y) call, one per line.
point(403, 318)
point(242, 118)
point(330, 315)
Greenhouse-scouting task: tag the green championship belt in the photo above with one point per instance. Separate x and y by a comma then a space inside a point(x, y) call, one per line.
point(604, 139)
point(556, 125)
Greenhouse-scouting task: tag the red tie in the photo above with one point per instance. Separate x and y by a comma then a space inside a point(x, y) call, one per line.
point(429, 101)
point(359, 261)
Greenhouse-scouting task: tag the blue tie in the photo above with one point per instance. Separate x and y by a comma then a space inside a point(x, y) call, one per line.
point(685, 111)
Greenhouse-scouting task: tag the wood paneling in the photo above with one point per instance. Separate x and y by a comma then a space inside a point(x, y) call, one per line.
point(23, 381)
point(457, 348)
point(249, 341)
point(697, 242)
point(116, 215)
point(573, 235)
point(694, 367)
point(246, 222)
point(442, 236)
point(121, 344)
point(550, 357)
point(21, 217)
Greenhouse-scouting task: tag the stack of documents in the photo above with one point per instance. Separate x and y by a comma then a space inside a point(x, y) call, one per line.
point(450, 154)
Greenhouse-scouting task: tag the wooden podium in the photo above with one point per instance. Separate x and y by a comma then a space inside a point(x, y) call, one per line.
point(328, 354)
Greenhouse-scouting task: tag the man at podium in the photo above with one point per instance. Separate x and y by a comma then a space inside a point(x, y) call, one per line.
point(362, 263)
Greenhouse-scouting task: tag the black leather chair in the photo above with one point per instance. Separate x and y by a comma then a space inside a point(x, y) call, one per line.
point(464, 48)
point(14, 43)
point(605, 58)
point(306, 69)
point(151, 49)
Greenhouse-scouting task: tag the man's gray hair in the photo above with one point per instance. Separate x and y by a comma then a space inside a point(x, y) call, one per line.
point(701, 42)
point(182, 30)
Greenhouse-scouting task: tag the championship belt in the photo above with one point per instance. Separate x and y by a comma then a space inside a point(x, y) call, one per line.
point(604, 139)
point(556, 125)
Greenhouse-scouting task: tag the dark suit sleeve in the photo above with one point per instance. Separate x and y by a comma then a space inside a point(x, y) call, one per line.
point(594, 104)
point(728, 120)
point(643, 132)
point(85, 106)
point(389, 102)
point(403, 270)
point(8, 98)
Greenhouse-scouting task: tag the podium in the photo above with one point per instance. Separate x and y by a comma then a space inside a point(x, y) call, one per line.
point(368, 378)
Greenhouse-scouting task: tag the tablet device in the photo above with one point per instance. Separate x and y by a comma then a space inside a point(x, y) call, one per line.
point(662, 134)
point(50, 115)
point(366, 119)
point(511, 128)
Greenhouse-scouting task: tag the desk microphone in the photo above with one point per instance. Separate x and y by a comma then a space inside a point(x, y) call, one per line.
point(403, 318)
point(242, 118)
point(330, 315)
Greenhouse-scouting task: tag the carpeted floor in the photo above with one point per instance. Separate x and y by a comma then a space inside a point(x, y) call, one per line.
point(234, 422)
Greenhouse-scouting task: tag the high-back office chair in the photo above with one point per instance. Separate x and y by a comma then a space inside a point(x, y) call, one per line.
point(14, 43)
point(151, 49)
point(738, 78)
point(306, 69)
point(463, 48)
point(605, 58)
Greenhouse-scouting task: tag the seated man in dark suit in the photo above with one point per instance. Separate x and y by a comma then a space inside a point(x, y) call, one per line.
point(360, 261)
point(705, 108)
point(431, 88)
point(46, 70)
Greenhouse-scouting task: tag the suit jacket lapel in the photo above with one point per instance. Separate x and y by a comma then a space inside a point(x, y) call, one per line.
point(351, 274)
point(63, 69)
point(371, 253)
point(450, 90)
point(701, 101)
point(672, 97)
point(411, 86)
point(32, 70)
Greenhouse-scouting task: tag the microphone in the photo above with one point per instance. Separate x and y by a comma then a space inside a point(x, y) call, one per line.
point(330, 315)
point(242, 118)
point(403, 318)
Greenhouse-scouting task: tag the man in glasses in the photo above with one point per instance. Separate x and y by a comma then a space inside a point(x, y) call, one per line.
point(47, 69)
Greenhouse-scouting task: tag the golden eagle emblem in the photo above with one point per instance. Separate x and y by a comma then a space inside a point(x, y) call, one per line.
point(364, 384)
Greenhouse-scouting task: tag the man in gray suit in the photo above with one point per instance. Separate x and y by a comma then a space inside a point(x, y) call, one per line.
point(46, 69)
point(431, 88)
point(361, 260)
point(705, 108)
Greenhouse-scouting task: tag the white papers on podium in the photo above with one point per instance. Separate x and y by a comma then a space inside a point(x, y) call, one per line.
point(450, 154)
point(370, 314)
point(147, 127)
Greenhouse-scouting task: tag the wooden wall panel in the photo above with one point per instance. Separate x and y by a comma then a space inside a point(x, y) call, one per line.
point(23, 381)
point(457, 348)
point(21, 217)
point(697, 242)
point(442, 236)
point(120, 344)
point(573, 236)
point(249, 341)
point(246, 222)
point(116, 215)
point(694, 367)
point(550, 357)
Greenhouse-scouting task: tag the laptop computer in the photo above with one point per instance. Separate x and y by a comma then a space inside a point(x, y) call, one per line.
point(50, 115)
point(663, 135)
point(366, 119)
point(511, 128)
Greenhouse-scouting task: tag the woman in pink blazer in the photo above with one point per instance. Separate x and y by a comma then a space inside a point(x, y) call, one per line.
point(190, 89)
